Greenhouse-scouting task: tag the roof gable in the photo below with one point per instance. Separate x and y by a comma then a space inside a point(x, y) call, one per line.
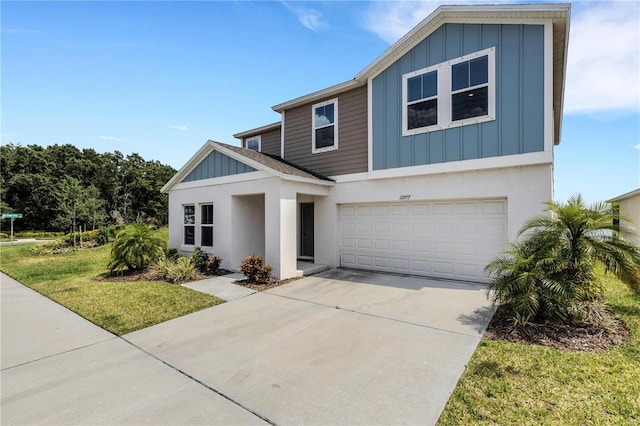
point(558, 13)
point(217, 164)
point(216, 159)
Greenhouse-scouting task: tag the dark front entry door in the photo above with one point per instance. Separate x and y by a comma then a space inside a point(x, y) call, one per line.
point(306, 229)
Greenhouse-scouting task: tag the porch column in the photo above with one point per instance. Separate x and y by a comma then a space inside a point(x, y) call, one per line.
point(280, 231)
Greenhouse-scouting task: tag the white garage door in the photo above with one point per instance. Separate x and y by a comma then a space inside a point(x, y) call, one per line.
point(453, 239)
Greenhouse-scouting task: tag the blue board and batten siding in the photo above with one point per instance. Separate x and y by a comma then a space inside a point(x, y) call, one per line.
point(519, 88)
point(217, 165)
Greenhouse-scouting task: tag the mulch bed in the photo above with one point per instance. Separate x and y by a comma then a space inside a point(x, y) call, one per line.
point(599, 331)
point(268, 285)
point(145, 275)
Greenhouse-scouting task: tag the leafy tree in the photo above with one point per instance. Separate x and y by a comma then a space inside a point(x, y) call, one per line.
point(72, 204)
point(31, 179)
point(135, 247)
point(95, 213)
point(551, 272)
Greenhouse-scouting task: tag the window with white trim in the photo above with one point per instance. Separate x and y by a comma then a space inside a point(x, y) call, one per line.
point(325, 126)
point(253, 143)
point(206, 225)
point(189, 225)
point(450, 94)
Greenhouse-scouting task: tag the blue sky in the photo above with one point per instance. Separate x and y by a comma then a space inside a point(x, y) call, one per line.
point(161, 78)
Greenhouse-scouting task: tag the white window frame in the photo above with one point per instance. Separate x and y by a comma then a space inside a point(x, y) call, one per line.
point(333, 147)
point(251, 139)
point(445, 94)
point(190, 224)
point(197, 225)
point(205, 225)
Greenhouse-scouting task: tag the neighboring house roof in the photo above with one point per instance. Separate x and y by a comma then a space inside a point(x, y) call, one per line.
point(559, 13)
point(258, 130)
point(257, 160)
point(631, 194)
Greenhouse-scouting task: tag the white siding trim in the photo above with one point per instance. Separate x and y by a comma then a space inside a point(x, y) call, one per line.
point(466, 165)
point(548, 87)
point(223, 180)
point(370, 124)
point(282, 137)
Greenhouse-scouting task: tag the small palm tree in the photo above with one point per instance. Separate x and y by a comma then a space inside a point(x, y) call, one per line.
point(135, 247)
point(548, 274)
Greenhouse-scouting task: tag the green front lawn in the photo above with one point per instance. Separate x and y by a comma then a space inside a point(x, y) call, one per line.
point(120, 307)
point(508, 384)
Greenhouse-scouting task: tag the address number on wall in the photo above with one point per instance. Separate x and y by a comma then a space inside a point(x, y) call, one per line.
point(405, 197)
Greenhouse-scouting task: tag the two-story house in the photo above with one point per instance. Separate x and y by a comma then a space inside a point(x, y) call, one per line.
point(426, 163)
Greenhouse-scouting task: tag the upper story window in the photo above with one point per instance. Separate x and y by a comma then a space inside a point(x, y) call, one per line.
point(422, 100)
point(470, 88)
point(450, 94)
point(253, 143)
point(325, 126)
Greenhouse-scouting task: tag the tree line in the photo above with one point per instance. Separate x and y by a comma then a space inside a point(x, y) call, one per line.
point(60, 187)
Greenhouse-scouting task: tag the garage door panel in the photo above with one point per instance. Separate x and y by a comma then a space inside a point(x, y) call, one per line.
point(348, 242)
point(401, 245)
point(364, 243)
point(400, 264)
point(382, 244)
point(442, 239)
point(497, 207)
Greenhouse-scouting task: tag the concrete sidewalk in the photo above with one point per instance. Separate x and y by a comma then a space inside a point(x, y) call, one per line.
point(59, 369)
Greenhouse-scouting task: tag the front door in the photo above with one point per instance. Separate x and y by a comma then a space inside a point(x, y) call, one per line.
point(306, 229)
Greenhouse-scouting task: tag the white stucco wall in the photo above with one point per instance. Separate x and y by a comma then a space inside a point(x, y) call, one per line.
point(525, 188)
point(630, 208)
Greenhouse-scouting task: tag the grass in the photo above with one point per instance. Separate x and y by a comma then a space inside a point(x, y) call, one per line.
point(119, 307)
point(507, 383)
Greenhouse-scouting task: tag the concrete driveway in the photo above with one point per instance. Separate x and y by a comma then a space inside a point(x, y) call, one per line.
point(340, 347)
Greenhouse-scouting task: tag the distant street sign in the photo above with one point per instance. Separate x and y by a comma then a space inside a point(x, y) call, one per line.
point(12, 216)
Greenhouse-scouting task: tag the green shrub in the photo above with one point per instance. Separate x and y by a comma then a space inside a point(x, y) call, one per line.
point(550, 274)
point(213, 265)
point(135, 247)
point(199, 259)
point(173, 253)
point(37, 234)
point(3, 235)
point(255, 270)
point(173, 271)
point(51, 247)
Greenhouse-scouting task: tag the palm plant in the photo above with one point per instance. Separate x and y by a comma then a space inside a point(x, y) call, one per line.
point(550, 272)
point(135, 247)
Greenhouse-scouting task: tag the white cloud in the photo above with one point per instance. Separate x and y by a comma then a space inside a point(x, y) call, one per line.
point(109, 138)
point(603, 65)
point(308, 17)
point(637, 147)
point(179, 127)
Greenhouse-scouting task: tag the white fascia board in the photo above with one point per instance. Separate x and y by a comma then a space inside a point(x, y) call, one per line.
point(321, 94)
point(258, 130)
point(634, 193)
point(223, 180)
point(282, 136)
point(300, 179)
point(548, 71)
point(516, 160)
